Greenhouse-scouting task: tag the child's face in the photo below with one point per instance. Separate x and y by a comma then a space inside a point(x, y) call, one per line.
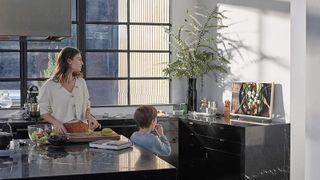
point(154, 123)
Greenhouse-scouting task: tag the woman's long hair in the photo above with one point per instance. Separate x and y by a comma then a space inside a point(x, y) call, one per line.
point(60, 73)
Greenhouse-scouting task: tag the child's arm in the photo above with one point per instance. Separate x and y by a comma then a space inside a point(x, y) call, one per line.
point(162, 145)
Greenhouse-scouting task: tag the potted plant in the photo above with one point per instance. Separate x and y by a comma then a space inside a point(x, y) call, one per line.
point(199, 49)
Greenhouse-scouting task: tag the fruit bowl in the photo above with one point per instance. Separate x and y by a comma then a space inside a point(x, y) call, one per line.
point(39, 133)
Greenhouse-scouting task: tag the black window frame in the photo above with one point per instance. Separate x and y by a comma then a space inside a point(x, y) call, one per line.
point(81, 45)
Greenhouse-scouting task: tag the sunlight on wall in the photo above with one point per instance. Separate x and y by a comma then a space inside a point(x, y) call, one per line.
point(265, 41)
point(264, 34)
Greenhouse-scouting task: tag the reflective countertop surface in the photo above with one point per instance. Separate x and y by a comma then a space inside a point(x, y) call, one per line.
point(30, 160)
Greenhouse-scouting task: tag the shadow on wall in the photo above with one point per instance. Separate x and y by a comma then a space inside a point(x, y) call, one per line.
point(256, 52)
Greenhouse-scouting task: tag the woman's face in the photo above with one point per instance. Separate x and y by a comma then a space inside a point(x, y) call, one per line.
point(76, 63)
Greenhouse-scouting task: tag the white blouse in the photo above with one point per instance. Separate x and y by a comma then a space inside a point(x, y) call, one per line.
point(63, 105)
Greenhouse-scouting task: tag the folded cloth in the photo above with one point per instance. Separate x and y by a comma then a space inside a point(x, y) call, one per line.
point(76, 127)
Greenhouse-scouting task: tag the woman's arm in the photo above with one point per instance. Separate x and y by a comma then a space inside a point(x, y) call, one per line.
point(46, 110)
point(57, 125)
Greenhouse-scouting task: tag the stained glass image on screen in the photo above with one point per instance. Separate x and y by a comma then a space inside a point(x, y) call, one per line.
point(253, 99)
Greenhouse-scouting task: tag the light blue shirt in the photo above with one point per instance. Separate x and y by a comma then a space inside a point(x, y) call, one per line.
point(158, 145)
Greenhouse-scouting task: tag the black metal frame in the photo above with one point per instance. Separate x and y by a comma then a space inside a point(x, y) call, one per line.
point(81, 43)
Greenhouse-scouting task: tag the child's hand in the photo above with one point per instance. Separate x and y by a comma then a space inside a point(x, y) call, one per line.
point(159, 129)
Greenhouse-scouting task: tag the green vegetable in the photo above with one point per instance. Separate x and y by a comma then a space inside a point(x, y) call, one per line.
point(106, 131)
point(40, 137)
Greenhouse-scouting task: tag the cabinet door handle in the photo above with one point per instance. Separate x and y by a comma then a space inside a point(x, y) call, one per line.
point(191, 134)
point(221, 128)
point(191, 123)
point(21, 129)
point(206, 155)
point(221, 140)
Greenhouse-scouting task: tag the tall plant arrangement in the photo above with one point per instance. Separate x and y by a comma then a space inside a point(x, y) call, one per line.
point(199, 49)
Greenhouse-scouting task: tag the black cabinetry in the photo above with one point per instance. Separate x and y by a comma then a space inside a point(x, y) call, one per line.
point(236, 151)
point(20, 128)
point(19, 131)
point(170, 127)
point(121, 126)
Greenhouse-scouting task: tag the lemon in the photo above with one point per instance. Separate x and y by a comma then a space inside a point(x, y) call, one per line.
point(106, 131)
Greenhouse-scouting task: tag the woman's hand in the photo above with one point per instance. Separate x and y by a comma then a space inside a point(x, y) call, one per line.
point(58, 127)
point(93, 123)
point(159, 129)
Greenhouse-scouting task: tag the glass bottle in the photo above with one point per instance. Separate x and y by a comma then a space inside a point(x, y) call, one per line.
point(226, 111)
point(203, 104)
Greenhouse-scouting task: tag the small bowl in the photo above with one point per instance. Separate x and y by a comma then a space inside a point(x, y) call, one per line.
point(57, 140)
point(39, 133)
point(5, 139)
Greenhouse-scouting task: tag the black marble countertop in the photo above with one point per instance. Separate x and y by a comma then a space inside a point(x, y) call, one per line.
point(233, 122)
point(78, 161)
point(128, 119)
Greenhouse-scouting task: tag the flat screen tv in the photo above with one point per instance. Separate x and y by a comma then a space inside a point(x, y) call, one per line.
point(252, 99)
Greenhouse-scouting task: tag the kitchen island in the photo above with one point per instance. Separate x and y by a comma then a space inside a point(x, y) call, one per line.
point(78, 161)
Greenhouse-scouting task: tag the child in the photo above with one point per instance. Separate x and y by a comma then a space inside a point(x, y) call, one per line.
point(146, 117)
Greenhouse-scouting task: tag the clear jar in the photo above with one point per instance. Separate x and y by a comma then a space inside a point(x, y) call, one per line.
point(203, 105)
point(5, 100)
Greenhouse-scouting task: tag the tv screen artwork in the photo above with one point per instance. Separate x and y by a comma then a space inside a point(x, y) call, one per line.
point(252, 99)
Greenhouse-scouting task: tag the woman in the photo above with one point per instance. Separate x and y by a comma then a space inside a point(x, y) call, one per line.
point(64, 98)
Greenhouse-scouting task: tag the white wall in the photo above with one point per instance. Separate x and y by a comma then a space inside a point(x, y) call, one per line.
point(312, 125)
point(265, 34)
point(264, 29)
point(298, 89)
point(178, 14)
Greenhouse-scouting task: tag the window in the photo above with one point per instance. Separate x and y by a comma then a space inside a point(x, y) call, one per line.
point(123, 45)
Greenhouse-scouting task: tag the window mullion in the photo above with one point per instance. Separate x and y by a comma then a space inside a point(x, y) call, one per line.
point(81, 15)
point(23, 69)
point(128, 53)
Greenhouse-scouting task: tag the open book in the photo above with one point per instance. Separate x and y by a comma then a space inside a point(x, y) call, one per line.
point(110, 144)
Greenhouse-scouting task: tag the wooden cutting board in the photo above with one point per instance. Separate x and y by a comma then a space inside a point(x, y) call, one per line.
point(84, 137)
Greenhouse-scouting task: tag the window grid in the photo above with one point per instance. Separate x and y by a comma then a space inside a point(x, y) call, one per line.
point(81, 45)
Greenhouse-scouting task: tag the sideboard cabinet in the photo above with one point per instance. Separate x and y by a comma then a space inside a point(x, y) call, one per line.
point(233, 151)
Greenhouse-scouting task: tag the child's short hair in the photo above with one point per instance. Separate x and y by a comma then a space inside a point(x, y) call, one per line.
point(144, 116)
